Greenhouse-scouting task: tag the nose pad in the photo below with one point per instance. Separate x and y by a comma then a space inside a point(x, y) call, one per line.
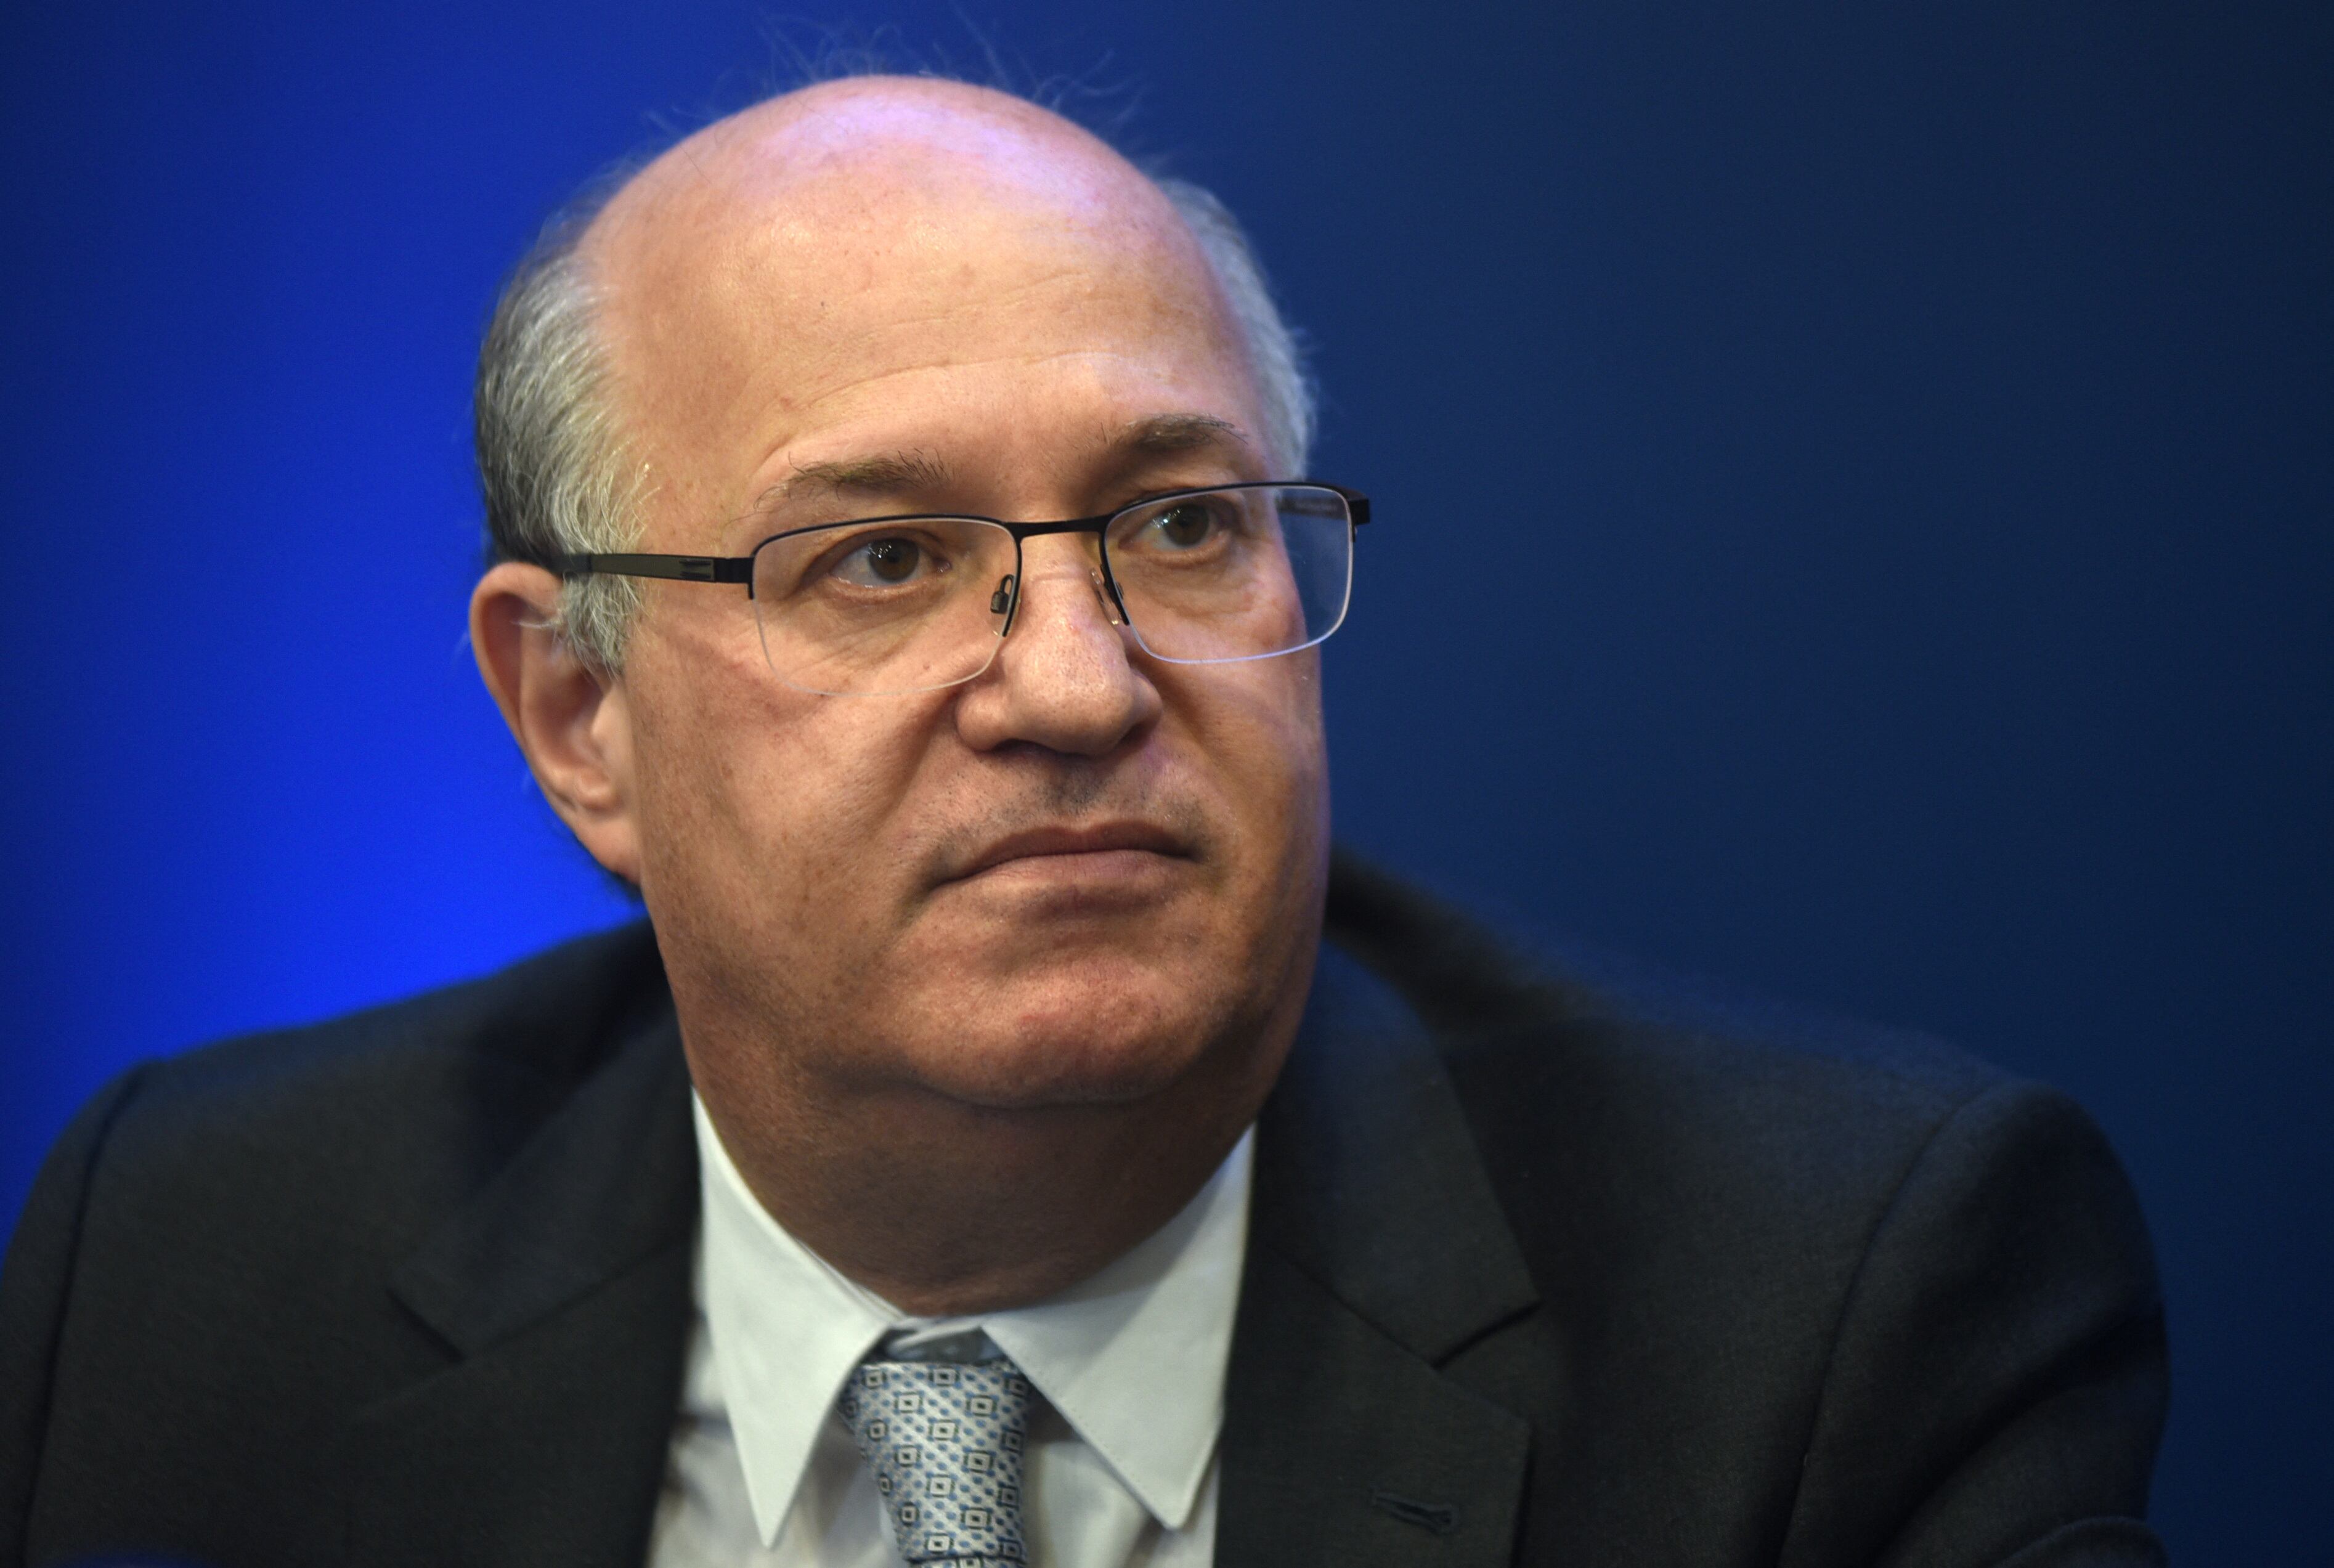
point(1001, 601)
point(1111, 607)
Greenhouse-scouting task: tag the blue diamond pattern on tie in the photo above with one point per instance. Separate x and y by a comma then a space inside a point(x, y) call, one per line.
point(944, 1440)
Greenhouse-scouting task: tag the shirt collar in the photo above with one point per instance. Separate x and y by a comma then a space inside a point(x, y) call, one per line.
point(1133, 1357)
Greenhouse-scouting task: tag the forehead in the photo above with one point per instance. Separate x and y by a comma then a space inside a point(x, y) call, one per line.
point(889, 246)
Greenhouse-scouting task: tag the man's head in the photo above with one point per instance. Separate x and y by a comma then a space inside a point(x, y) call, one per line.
point(1074, 897)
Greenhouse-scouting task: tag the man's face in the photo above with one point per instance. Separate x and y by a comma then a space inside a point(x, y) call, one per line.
point(1081, 877)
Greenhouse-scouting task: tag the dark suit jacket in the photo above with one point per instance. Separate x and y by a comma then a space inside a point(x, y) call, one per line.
point(1531, 1278)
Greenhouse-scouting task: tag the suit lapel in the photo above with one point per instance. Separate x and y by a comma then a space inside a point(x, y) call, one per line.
point(1376, 1250)
point(564, 1291)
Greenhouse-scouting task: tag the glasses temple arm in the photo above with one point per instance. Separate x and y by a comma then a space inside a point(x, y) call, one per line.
point(738, 569)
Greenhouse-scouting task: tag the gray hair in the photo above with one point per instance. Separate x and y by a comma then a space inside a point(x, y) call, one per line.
point(1276, 354)
point(554, 469)
point(559, 479)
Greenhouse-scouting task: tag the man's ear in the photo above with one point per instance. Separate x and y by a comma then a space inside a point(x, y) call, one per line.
point(570, 721)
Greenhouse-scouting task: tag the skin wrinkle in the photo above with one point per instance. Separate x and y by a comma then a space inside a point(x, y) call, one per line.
point(798, 405)
point(962, 1091)
point(919, 471)
point(801, 409)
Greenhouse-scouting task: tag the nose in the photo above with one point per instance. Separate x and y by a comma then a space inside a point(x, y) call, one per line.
point(1065, 678)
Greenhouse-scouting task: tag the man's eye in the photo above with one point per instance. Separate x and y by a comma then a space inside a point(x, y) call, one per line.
point(1184, 525)
point(887, 563)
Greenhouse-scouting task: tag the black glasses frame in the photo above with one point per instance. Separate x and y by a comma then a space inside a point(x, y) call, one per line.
point(738, 570)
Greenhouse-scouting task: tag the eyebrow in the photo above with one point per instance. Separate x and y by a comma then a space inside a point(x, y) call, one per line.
point(1171, 433)
point(878, 473)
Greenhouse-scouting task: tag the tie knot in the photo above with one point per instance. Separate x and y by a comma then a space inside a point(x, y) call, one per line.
point(944, 1441)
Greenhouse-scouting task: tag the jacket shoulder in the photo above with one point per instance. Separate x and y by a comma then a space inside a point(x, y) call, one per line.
point(1613, 1110)
point(481, 1051)
point(322, 1151)
point(213, 1246)
point(551, 1013)
point(1497, 1010)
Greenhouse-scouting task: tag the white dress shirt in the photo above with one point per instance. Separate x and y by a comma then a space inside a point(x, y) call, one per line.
point(1129, 1366)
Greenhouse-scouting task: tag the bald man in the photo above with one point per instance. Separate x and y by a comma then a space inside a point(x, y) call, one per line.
point(909, 579)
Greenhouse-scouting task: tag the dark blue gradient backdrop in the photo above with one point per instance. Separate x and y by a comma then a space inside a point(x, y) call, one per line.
point(1855, 481)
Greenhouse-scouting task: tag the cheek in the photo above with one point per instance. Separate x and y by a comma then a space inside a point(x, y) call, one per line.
point(1262, 734)
point(771, 809)
point(1257, 729)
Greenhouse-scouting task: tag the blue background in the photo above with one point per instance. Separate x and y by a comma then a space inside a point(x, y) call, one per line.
point(1855, 485)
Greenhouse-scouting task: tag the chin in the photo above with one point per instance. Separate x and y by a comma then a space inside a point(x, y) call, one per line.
point(1096, 1036)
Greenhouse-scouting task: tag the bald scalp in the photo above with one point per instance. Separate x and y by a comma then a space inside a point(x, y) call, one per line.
point(805, 250)
point(853, 149)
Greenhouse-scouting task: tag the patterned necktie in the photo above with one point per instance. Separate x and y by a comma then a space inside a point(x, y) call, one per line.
point(944, 1440)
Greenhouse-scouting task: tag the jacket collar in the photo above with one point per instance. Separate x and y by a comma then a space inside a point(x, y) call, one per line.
point(563, 1288)
point(1377, 1252)
point(607, 1182)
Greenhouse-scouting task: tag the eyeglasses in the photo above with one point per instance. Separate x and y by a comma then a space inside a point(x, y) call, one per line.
point(887, 606)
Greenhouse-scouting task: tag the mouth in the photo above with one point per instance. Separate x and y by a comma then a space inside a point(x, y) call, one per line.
point(1124, 847)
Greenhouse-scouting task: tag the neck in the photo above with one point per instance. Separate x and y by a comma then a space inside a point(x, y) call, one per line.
point(946, 1208)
